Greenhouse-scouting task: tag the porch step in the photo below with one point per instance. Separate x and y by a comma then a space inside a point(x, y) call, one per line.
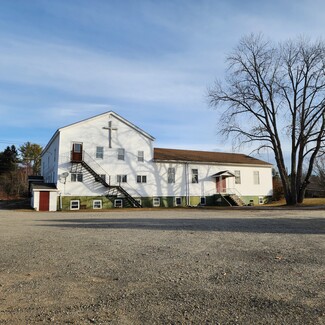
point(234, 200)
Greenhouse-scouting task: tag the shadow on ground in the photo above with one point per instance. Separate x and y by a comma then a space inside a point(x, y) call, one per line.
point(251, 225)
point(18, 204)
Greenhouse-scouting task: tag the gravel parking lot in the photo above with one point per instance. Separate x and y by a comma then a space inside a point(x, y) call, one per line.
point(185, 266)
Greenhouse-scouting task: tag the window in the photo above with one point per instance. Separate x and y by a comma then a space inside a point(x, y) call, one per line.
point(76, 177)
point(139, 201)
point(100, 152)
point(156, 202)
point(195, 176)
point(256, 177)
point(171, 175)
point(261, 200)
point(120, 154)
point(118, 203)
point(140, 156)
point(178, 201)
point(237, 177)
point(97, 204)
point(121, 178)
point(74, 205)
point(141, 179)
point(202, 201)
point(77, 147)
point(102, 176)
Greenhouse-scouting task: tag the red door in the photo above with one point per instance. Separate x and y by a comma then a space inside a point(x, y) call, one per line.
point(221, 184)
point(76, 152)
point(44, 201)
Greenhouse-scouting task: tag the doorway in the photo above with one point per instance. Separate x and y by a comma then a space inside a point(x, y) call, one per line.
point(221, 184)
point(76, 154)
point(44, 201)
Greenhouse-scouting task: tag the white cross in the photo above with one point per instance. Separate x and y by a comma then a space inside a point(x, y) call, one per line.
point(110, 129)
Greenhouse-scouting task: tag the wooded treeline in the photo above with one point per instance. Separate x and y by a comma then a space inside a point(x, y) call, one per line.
point(15, 167)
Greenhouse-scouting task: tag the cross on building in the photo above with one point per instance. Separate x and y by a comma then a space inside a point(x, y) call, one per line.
point(110, 128)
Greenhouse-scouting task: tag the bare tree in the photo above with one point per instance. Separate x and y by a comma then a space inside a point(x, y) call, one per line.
point(274, 96)
point(320, 171)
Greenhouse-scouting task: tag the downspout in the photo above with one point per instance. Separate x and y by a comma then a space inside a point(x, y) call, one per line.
point(60, 201)
point(187, 186)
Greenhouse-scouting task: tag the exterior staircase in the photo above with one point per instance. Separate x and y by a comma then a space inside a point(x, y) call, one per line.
point(234, 200)
point(114, 191)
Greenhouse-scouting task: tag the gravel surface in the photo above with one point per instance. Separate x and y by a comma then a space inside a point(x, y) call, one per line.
point(184, 266)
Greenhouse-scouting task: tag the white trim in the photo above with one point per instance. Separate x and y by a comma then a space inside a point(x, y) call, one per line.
point(100, 203)
point(156, 204)
point(74, 201)
point(175, 202)
point(118, 205)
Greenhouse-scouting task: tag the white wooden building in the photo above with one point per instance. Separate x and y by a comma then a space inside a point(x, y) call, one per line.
point(106, 161)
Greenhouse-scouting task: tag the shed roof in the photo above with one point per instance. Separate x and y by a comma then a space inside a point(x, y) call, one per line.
point(44, 186)
point(162, 154)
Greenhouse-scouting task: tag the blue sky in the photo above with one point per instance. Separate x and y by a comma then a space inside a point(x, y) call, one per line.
point(149, 61)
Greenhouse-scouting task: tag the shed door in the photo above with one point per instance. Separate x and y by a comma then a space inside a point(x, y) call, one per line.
point(44, 201)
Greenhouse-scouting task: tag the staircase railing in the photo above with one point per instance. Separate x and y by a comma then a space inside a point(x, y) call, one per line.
point(98, 178)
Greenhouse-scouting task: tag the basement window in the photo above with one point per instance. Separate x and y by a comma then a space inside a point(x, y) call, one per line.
point(74, 205)
point(261, 200)
point(97, 204)
point(178, 201)
point(203, 200)
point(118, 203)
point(156, 202)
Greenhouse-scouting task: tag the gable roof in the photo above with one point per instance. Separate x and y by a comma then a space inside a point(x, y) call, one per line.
point(109, 113)
point(161, 154)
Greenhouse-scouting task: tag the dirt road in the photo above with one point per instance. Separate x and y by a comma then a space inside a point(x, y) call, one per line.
point(163, 267)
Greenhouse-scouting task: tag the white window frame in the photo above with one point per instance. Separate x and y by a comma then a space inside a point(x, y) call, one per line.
point(256, 177)
point(95, 203)
point(141, 155)
point(99, 153)
point(237, 177)
point(76, 177)
point(141, 178)
point(203, 200)
point(176, 199)
point(120, 154)
point(72, 202)
point(121, 178)
point(118, 203)
point(195, 176)
point(171, 175)
point(156, 202)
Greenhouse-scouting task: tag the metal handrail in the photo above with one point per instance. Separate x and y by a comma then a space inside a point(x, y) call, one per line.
point(91, 161)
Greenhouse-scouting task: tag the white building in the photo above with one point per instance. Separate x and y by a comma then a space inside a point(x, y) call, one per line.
point(106, 161)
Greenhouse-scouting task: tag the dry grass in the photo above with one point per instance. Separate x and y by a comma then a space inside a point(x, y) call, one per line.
point(308, 202)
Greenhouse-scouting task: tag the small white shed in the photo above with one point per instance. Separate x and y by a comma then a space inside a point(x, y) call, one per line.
point(44, 197)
